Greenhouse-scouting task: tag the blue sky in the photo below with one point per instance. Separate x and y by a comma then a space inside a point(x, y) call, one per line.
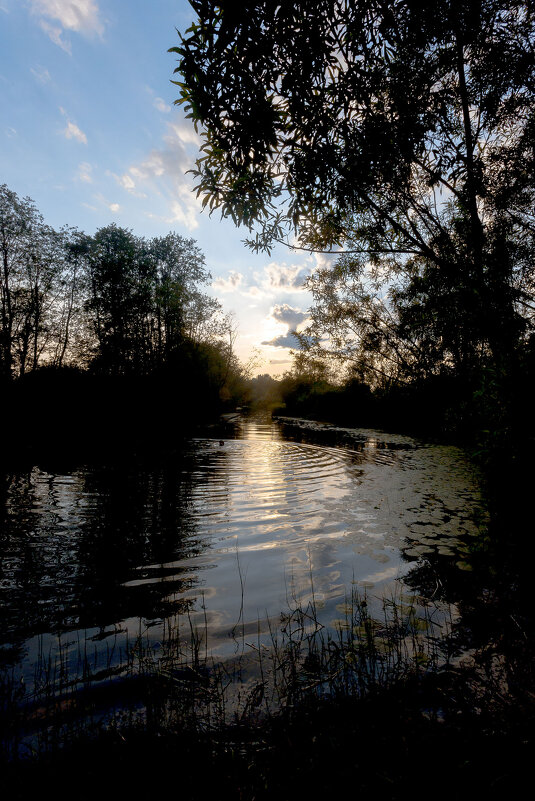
point(89, 131)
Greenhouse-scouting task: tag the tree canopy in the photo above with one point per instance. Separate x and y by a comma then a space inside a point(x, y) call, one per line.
point(399, 133)
point(360, 108)
point(113, 302)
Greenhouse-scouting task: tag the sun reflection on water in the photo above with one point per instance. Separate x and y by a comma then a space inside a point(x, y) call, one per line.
point(231, 532)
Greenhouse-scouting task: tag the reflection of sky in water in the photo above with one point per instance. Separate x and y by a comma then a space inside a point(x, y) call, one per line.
point(258, 516)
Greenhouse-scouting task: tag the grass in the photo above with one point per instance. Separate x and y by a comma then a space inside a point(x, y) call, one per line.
point(178, 680)
point(382, 702)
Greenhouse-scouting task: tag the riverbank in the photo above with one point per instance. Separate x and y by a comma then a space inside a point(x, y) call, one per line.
point(386, 748)
point(70, 416)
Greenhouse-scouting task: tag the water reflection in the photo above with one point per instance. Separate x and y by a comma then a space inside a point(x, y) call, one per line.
point(70, 541)
point(231, 532)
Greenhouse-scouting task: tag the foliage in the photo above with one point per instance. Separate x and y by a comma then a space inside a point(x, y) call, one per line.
point(30, 274)
point(116, 306)
point(143, 301)
point(367, 696)
point(399, 135)
point(308, 387)
point(264, 391)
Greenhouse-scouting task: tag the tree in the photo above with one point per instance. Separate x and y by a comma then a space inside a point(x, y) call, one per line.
point(69, 343)
point(119, 323)
point(181, 309)
point(400, 133)
point(29, 252)
point(265, 391)
point(118, 271)
point(144, 304)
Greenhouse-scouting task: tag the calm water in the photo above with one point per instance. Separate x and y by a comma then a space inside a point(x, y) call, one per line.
point(227, 533)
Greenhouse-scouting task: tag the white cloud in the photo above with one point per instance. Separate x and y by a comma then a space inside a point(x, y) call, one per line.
point(184, 132)
point(182, 212)
point(54, 33)
point(40, 74)
point(285, 276)
point(72, 131)
point(82, 16)
point(253, 292)
point(114, 207)
point(160, 104)
point(273, 281)
point(229, 284)
point(84, 172)
point(79, 16)
point(10, 132)
point(127, 182)
point(288, 315)
point(292, 318)
point(284, 341)
point(163, 173)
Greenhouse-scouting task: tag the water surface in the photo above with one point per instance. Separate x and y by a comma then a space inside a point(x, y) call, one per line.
point(227, 532)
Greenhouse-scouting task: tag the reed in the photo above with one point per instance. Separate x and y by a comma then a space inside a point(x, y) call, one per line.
point(176, 684)
point(376, 701)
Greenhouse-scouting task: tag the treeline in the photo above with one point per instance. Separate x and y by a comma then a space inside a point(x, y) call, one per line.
point(491, 413)
point(108, 323)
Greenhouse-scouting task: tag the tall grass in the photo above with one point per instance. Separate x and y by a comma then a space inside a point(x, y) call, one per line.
point(177, 684)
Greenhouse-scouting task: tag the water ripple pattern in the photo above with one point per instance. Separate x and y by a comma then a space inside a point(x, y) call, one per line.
point(230, 529)
point(264, 492)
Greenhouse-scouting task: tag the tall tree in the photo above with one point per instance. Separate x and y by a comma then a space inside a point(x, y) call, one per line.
point(69, 345)
point(144, 302)
point(180, 309)
point(120, 273)
point(400, 133)
point(29, 254)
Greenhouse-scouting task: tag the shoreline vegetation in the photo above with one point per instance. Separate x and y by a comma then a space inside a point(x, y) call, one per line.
point(389, 701)
point(108, 342)
point(133, 382)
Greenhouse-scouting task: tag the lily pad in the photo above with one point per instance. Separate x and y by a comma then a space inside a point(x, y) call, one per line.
point(463, 565)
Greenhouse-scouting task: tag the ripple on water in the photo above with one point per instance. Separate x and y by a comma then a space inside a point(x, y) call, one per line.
point(259, 513)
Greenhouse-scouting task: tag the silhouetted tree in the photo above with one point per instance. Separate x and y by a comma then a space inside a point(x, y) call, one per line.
point(69, 339)
point(265, 391)
point(110, 317)
point(181, 311)
point(119, 271)
point(29, 251)
point(144, 299)
point(400, 132)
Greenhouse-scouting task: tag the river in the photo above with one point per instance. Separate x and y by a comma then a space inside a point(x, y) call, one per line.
point(225, 533)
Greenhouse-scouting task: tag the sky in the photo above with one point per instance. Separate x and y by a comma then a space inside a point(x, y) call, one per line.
point(90, 132)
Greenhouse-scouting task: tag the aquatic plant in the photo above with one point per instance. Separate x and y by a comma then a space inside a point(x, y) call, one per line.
point(176, 682)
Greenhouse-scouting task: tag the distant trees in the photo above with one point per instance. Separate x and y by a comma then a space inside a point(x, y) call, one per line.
point(113, 303)
point(306, 389)
point(265, 391)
